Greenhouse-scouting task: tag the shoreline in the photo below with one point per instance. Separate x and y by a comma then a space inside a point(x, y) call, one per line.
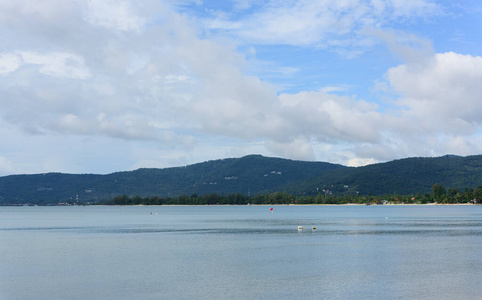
point(347, 204)
point(274, 204)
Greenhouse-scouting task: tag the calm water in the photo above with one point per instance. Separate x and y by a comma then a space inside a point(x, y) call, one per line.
point(241, 252)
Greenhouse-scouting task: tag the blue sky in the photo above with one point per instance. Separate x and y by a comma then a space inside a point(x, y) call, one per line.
point(104, 86)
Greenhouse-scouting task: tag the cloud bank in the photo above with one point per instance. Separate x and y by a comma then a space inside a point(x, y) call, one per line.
point(100, 86)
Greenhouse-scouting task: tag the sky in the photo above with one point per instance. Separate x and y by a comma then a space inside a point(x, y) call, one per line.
point(100, 86)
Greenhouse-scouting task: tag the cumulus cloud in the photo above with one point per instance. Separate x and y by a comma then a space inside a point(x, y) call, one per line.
point(445, 90)
point(109, 77)
point(438, 109)
point(332, 118)
point(127, 129)
point(127, 75)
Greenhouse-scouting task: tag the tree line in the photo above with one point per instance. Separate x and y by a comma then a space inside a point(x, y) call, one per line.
point(439, 195)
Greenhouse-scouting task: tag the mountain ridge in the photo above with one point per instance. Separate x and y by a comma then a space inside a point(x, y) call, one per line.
point(248, 175)
point(403, 176)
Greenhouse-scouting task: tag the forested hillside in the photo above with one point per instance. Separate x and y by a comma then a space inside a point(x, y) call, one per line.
point(404, 176)
point(247, 175)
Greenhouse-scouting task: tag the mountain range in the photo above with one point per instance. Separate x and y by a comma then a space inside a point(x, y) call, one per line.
point(249, 175)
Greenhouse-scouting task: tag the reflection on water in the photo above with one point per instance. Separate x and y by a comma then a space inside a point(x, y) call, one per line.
point(241, 252)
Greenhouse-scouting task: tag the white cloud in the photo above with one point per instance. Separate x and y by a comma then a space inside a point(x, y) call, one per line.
point(114, 14)
point(324, 23)
point(57, 64)
point(409, 8)
point(332, 118)
point(136, 77)
point(36, 9)
point(444, 90)
point(6, 166)
point(358, 162)
point(53, 64)
point(438, 109)
point(300, 149)
point(9, 62)
point(122, 128)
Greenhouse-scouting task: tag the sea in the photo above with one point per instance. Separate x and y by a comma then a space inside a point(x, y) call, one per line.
point(241, 252)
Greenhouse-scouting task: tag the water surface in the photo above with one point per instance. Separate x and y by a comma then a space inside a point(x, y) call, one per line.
point(241, 252)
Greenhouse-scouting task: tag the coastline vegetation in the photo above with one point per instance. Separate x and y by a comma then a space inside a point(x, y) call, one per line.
point(439, 195)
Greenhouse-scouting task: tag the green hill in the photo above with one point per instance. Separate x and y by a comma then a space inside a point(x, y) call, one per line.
point(404, 176)
point(250, 174)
